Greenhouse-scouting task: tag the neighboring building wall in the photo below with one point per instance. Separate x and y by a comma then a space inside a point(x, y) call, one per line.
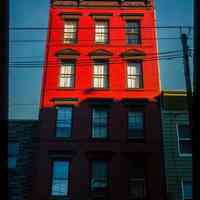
point(177, 167)
point(22, 132)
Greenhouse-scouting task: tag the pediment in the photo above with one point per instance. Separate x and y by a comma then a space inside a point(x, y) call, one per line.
point(133, 54)
point(67, 54)
point(100, 53)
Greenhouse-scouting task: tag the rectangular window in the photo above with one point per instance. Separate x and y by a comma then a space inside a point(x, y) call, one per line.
point(187, 190)
point(60, 178)
point(66, 75)
point(134, 75)
point(101, 32)
point(133, 32)
point(135, 124)
point(100, 75)
point(136, 181)
point(70, 29)
point(13, 150)
point(99, 180)
point(99, 123)
point(184, 140)
point(64, 122)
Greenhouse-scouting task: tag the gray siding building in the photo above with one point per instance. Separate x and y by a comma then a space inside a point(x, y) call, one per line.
point(177, 145)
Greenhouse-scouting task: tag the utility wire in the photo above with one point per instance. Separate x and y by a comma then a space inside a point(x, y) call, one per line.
point(29, 66)
point(92, 40)
point(93, 27)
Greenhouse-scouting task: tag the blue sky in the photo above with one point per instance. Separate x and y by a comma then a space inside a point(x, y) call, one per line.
point(25, 84)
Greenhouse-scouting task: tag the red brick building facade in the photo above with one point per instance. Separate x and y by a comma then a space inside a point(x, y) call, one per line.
point(100, 134)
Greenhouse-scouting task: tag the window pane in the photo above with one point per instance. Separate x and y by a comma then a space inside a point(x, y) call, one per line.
point(185, 147)
point(13, 150)
point(99, 174)
point(187, 187)
point(137, 188)
point(67, 75)
point(136, 178)
point(12, 162)
point(60, 187)
point(64, 121)
point(184, 131)
point(60, 178)
point(134, 75)
point(133, 32)
point(70, 31)
point(60, 169)
point(101, 32)
point(100, 79)
point(99, 123)
point(135, 124)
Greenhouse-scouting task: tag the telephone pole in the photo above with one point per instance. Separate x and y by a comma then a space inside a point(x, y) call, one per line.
point(187, 76)
point(196, 105)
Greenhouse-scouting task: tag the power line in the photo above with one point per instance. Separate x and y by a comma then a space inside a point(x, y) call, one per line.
point(29, 66)
point(113, 39)
point(159, 53)
point(149, 54)
point(93, 27)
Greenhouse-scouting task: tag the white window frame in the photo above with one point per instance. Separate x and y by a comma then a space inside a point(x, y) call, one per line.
point(103, 32)
point(72, 32)
point(178, 141)
point(67, 77)
point(101, 78)
point(134, 76)
point(182, 186)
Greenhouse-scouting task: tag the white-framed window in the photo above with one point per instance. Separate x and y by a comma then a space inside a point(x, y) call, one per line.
point(184, 140)
point(101, 32)
point(70, 32)
point(134, 75)
point(187, 189)
point(66, 79)
point(99, 123)
point(60, 178)
point(135, 124)
point(13, 151)
point(133, 32)
point(99, 179)
point(64, 121)
point(100, 75)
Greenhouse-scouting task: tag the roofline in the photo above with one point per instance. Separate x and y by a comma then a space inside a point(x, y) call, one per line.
point(174, 93)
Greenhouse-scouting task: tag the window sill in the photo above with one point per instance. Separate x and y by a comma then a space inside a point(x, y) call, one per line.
point(135, 89)
point(99, 139)
point(59, 198)
point(101, 43)
point(94, 89)
point(185, 155)
point(65, 88)
point(62, 139)
point(132, 140)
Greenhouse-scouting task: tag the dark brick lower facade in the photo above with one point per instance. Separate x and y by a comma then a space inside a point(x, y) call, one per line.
point(117, 150)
